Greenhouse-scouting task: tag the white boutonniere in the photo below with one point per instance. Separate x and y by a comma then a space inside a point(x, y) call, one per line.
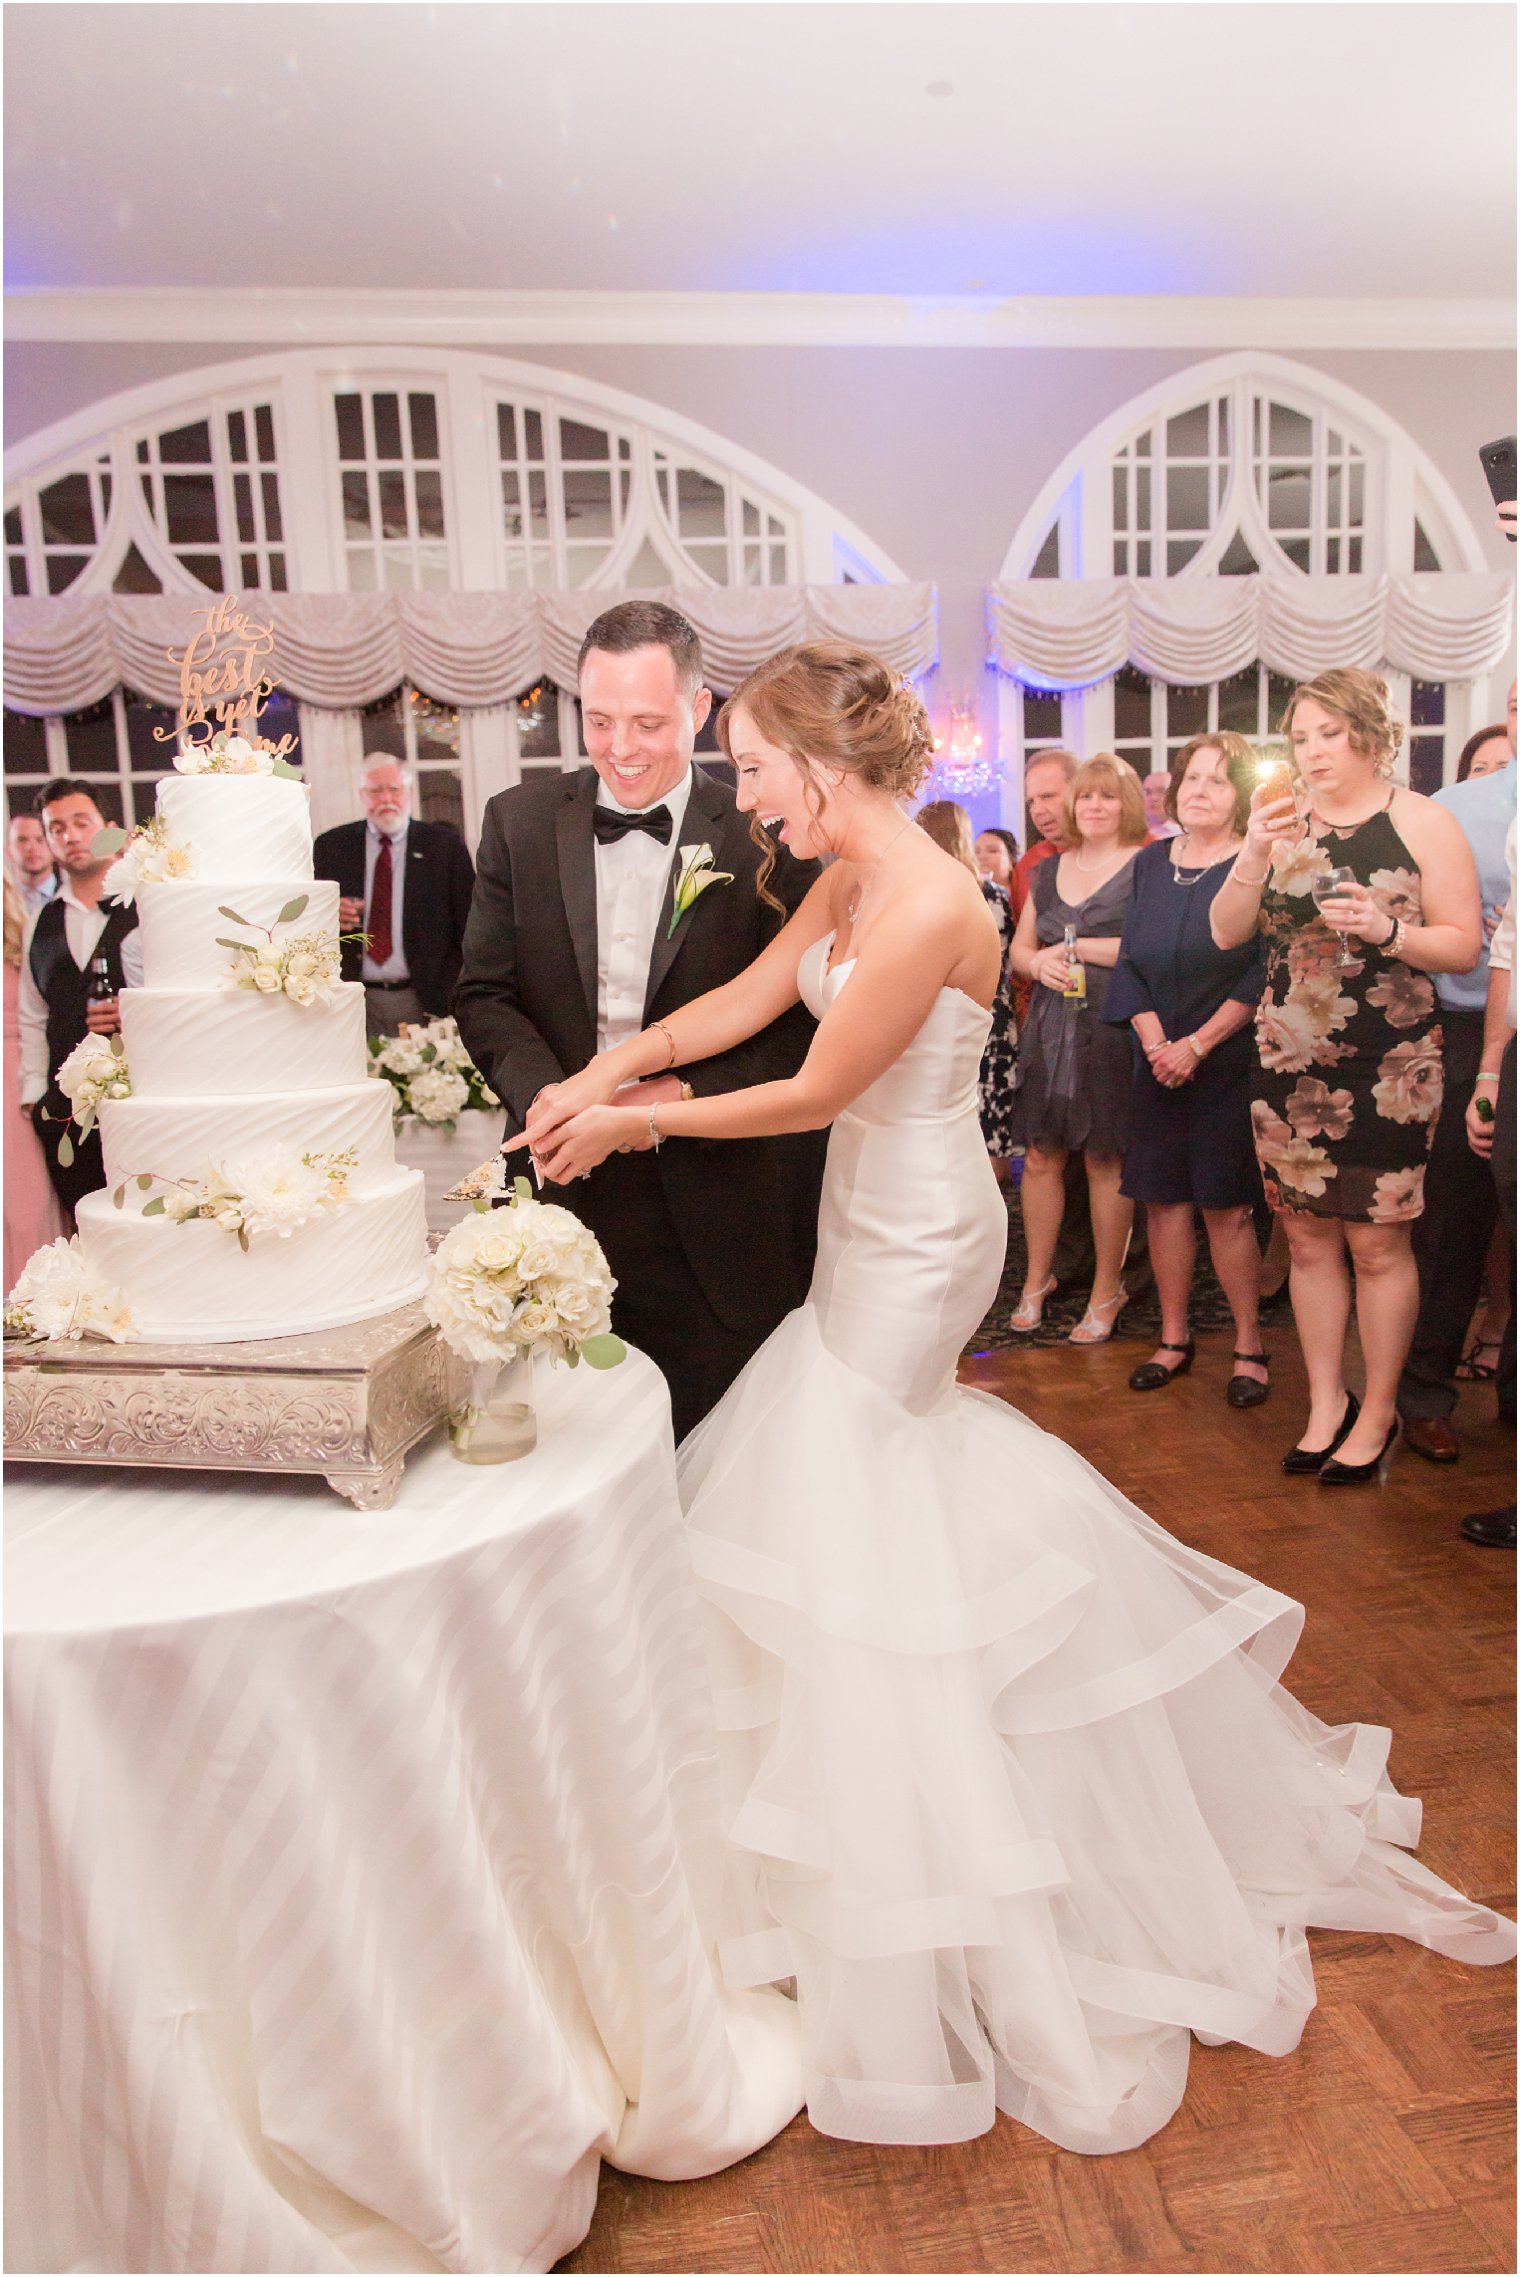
point(695, 876)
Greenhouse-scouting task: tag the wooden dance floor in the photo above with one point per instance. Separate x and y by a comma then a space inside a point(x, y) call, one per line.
point(1386, 2142)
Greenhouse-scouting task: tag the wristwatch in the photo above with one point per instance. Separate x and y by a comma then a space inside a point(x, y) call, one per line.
point(686, 1090)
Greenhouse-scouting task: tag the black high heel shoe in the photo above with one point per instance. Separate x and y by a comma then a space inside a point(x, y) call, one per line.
point(1249, 1391)
point(1304, 1462)
point(1358, 1474)
point(1151, 1375)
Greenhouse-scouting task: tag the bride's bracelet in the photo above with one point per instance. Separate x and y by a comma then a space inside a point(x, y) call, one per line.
point(669, 1038)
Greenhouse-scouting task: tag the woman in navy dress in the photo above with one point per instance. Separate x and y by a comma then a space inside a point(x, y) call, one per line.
point(1189, 1005)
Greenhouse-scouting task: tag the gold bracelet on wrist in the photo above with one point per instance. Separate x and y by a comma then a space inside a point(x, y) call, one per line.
point(1240, 879)
point(669, 1038)
point(1199, 1051)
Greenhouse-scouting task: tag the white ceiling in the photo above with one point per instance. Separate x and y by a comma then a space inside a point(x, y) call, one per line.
point(1304, 149)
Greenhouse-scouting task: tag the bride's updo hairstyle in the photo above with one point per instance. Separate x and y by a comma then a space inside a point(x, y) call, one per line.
point(828, 704)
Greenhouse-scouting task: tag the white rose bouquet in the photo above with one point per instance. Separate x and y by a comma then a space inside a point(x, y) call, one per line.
point(433, 1076)
point(526, 1279)
point(58, 1296)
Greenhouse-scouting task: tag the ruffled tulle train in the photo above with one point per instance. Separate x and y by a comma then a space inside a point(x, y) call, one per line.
point(1011, 1787)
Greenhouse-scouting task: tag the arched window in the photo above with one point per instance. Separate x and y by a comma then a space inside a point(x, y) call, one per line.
point(1245, 464)
point(353, 470)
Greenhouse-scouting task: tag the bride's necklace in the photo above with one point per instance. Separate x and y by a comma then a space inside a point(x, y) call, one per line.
point(853, 906)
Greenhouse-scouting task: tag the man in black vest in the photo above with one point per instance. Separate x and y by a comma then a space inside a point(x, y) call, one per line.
point(406, 886)
point(71, 934)
point(571, 947)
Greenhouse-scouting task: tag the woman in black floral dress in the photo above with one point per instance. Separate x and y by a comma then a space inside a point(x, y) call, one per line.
point(1349, 1085)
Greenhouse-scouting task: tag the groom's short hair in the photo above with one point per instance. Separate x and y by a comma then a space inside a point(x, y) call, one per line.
point(647, 624)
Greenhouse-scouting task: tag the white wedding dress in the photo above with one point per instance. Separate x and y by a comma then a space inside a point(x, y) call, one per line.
point(1011, 1790)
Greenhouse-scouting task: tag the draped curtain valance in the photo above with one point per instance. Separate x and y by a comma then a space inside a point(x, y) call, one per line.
point(341, 651)
point(1070, 632)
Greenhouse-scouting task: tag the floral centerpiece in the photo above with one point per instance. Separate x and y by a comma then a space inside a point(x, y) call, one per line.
point(506, 1285)
point(431, 1073)
point(57, 1295)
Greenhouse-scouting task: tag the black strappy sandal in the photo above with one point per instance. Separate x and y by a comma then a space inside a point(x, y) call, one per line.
point(1150, 1375)
point(1245, 1391)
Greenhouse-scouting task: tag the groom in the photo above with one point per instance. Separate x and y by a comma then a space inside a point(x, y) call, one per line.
point(573, 943)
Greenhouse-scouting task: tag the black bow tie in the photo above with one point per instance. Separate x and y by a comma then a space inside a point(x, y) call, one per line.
point(611, 823)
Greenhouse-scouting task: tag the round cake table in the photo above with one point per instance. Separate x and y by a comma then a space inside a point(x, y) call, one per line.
point(361, 1868)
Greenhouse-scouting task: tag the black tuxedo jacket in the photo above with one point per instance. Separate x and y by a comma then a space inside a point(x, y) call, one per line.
point(434, 909)
point(526, 1002)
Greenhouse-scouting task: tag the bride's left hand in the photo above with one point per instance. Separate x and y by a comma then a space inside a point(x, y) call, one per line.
point(576, 1147)
point(555, 1105)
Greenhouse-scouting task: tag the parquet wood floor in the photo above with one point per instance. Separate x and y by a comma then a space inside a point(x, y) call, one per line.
point(1387, 2141)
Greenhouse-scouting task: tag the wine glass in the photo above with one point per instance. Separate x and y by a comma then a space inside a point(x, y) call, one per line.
point(1329, 887)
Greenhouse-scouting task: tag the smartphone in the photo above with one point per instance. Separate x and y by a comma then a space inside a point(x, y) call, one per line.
point(1498, 462)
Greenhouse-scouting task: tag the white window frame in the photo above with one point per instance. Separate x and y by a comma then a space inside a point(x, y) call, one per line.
point(1402, 483)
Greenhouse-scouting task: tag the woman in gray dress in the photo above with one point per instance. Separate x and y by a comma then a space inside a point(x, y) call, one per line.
point(1075, 1083)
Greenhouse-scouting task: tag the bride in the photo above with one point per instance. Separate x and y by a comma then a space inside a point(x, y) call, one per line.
point(1011, 1790)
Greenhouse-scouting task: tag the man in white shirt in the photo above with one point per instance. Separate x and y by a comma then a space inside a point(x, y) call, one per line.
point(575, 942)
point(32, 870)
point(77, 953)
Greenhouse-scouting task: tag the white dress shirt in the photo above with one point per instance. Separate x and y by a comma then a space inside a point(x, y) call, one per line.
point(394, 967)
point(82, 927)
point(631, 874)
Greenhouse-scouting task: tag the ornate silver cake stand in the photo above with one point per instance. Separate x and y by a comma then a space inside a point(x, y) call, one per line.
point(346, 1405)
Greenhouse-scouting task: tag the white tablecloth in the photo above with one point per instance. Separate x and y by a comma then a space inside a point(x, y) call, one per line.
point(360, 1865)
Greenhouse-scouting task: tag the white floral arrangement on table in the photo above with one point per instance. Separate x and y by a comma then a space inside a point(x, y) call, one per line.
point(95, 1069)
point(226, 754)
point(431, 1073)
point(526, 1279)
point(144, 857)
point(305, 967)
point(273, 1193)
point(58, 1296)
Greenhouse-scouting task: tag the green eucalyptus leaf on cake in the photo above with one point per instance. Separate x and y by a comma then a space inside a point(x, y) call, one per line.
point(120, 1197)
point(223, 911)
point(243, 1238)
point(65, 1151)
point(155, 1208)
point(118, 1044)
point(293, 909)
point(604, 1351)
point(110, 840)
point(222, 942)
point(144, 1181)
point(283, 767)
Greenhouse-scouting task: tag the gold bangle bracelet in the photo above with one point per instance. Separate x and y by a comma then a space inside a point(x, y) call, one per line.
point(1240, 879)
point(669, 1038)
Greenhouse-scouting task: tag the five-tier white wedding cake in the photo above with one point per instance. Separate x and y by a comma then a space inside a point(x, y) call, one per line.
point(252, 1188)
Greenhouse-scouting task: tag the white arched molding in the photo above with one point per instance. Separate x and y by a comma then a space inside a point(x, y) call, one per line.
point(1184, 619)
point(809, 544)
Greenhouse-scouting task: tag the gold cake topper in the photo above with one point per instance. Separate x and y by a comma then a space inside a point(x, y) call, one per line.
point(223, 679)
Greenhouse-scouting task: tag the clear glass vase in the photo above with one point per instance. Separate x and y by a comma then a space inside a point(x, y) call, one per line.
point(498, 1422)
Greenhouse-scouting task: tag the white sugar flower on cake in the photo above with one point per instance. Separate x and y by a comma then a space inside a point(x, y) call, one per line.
point(269, 1193)
point(225, 755)
point(304, 966)
point(56, 1295)
point(146, 857)
point(95, 1069)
